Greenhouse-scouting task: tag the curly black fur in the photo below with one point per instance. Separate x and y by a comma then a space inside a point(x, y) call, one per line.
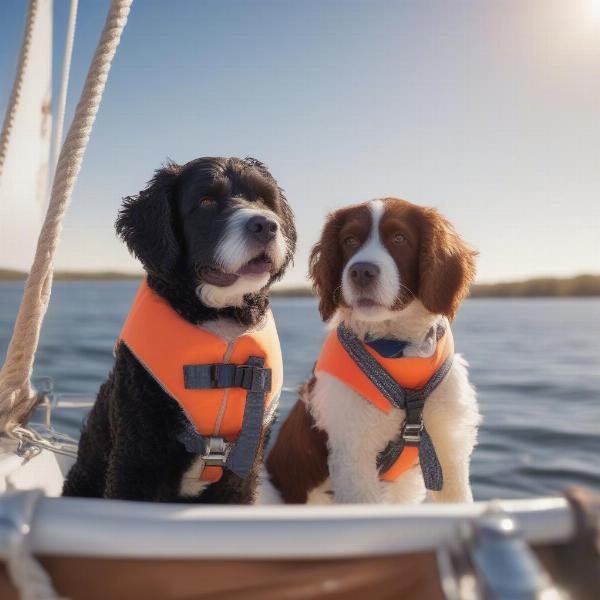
point(129, 447)
point(153, 224)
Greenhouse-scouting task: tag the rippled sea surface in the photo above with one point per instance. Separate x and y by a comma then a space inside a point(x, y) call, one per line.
point(535, 363)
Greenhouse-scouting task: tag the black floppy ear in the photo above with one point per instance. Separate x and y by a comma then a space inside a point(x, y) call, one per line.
point(146, 222)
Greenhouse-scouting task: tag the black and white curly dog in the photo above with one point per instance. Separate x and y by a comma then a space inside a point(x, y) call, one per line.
point(212, 235)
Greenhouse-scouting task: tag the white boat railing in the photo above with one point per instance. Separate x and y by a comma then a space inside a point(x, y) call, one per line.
point(114, 528)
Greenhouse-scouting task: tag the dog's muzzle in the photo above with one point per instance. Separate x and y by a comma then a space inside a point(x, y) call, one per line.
point(261, 229)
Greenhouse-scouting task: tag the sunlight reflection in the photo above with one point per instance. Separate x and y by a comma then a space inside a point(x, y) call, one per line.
point(594, 8)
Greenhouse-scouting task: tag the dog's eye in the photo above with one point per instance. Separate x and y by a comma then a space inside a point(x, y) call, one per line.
point(351, 241)
point(206, 201)
point(399, 239)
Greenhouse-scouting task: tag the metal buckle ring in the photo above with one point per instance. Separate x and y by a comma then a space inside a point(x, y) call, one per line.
point(411, 432)
point(216, 452)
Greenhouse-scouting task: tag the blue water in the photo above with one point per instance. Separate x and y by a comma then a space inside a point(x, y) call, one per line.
point(535, 363)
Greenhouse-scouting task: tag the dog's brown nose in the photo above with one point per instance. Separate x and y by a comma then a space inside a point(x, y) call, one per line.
point(364, 274)
point(261, 228)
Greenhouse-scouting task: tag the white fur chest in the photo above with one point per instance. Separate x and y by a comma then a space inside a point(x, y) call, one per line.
point(358, 431)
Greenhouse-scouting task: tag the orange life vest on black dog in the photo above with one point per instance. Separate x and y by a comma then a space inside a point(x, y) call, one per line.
point(209, 376)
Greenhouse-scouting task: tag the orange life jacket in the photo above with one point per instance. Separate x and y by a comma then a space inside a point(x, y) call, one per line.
point(410, 373)
point(209, 376)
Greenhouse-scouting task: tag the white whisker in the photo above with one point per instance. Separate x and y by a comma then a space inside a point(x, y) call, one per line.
point(405, 287)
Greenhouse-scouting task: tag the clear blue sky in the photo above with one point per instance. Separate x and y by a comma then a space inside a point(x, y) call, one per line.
point(489, 111)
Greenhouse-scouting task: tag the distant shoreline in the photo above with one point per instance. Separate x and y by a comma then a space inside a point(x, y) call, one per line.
point(11, 275)
point(579, 286)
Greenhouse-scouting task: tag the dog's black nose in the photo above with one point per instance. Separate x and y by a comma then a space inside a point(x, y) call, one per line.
point(261, 229)
point(364, 274)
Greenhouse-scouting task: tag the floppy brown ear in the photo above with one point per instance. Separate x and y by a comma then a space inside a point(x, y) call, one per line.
point(446, 265)
point(146, 222)
point(326, 264)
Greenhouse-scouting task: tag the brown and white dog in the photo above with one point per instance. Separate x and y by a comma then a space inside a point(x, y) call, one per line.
point(385, 269)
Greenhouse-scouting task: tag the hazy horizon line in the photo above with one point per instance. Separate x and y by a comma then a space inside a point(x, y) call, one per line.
point(64, 274)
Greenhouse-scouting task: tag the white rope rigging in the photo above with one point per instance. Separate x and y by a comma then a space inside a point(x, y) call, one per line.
point(17, 398)
point(64, 84)
point(15, 95)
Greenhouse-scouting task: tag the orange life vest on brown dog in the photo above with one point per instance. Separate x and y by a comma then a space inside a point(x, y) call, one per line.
point(389, 383)
point(212, 378)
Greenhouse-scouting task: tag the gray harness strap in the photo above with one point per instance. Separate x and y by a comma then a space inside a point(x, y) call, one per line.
point(379, 377)
point(242, 456)
point(239, 456)
point(413, 432)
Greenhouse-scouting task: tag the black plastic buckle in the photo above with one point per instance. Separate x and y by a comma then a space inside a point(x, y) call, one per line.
point(214, 376)
point(253, 379)
point(414, 399)
point(413, 425)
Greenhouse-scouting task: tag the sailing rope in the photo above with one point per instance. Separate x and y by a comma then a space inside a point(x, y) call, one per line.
point(64, 84)
point(15, 95)
point(17, 398)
